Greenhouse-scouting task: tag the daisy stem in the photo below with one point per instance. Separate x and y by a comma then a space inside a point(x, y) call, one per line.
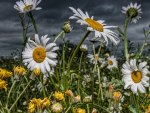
point(100, 91)
point(88, 109)
point(145, 40)
point(19, 96)
point(63, 65)
point(79, 73)
point(43, 89)
point(33, 22)
point(10, 92)
point(125, 39)
point(61, 33)
point(76, 50)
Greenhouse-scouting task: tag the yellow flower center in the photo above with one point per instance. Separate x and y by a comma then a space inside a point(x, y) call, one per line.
point(95, 25)
point(110, 62)
point(39, 54)
point(136, 76)
point(27, 7)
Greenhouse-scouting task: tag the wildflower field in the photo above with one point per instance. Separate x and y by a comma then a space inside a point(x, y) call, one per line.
point(48, 77)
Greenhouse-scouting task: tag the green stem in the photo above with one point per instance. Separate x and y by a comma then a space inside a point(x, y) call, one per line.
point(61, 33)
point(145, 39)
point(33, 22)
point(79, 74)
point(68, 109)
point(76, 50)
point(125, 39)
point(100, 91)
point(63, 61)
point(43, 89)
point(88, 109)
point(19, 96)
point(10, 92)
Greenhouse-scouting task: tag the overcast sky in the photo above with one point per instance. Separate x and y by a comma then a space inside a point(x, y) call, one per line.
point(55, 12)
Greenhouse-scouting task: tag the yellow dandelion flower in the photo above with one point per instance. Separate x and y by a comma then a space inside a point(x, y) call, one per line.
point(58, 96)
point(3, 84)
point(36, 72)
point(117, 95)
point(45, 103)
point(19, 70)
point(79, 110)
point(69, 93)
point(31, 107)
point(148, 109)
point(5, 74)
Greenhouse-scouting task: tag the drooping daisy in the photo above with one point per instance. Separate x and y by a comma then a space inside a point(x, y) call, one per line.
point(134, 76)
point(133, 12)
point(99, 27)
point(83, 48)
point(24, 6)
point(112, 62)
point(40, 54)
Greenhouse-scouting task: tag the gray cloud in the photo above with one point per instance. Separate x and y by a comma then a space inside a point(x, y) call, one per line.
point(55, 12)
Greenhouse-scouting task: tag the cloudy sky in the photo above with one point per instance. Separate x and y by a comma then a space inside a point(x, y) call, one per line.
point(55, 12)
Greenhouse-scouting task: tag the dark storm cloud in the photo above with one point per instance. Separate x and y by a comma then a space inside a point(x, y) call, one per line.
point(55, 12)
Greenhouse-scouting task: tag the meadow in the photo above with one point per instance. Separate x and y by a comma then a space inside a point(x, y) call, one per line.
point(47, 77)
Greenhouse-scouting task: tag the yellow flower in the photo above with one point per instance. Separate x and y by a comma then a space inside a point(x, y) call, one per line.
point(38, 104)
point(117, 96)
point(79, 110)
point(31, 107)
point(69, 93)
point(3, 84)
point(45, 103)
point(148, 109)
point(58, 96)
point(36, 72)
point(5, 74)
point(19, 70)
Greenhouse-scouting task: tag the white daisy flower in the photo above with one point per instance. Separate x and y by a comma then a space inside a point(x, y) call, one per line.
point(112, 62)
point(83, 48)
point(24, 6)
point(133, 11)
point(99, 27)
point(134, 76)
point(94, 58)
point(40, 54)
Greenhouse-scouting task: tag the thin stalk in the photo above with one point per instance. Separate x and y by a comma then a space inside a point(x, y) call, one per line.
point(79, 73)
point(100, 91)
point(75, 52)
point(43, 89)
point(77, 48)
point(33, 22)
point(125, 39)
point(88, 109)
point(10, 92)
point(19, 96)
point(63, 61)
point(61, 33)
point(68, 109)
point(145, 40)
